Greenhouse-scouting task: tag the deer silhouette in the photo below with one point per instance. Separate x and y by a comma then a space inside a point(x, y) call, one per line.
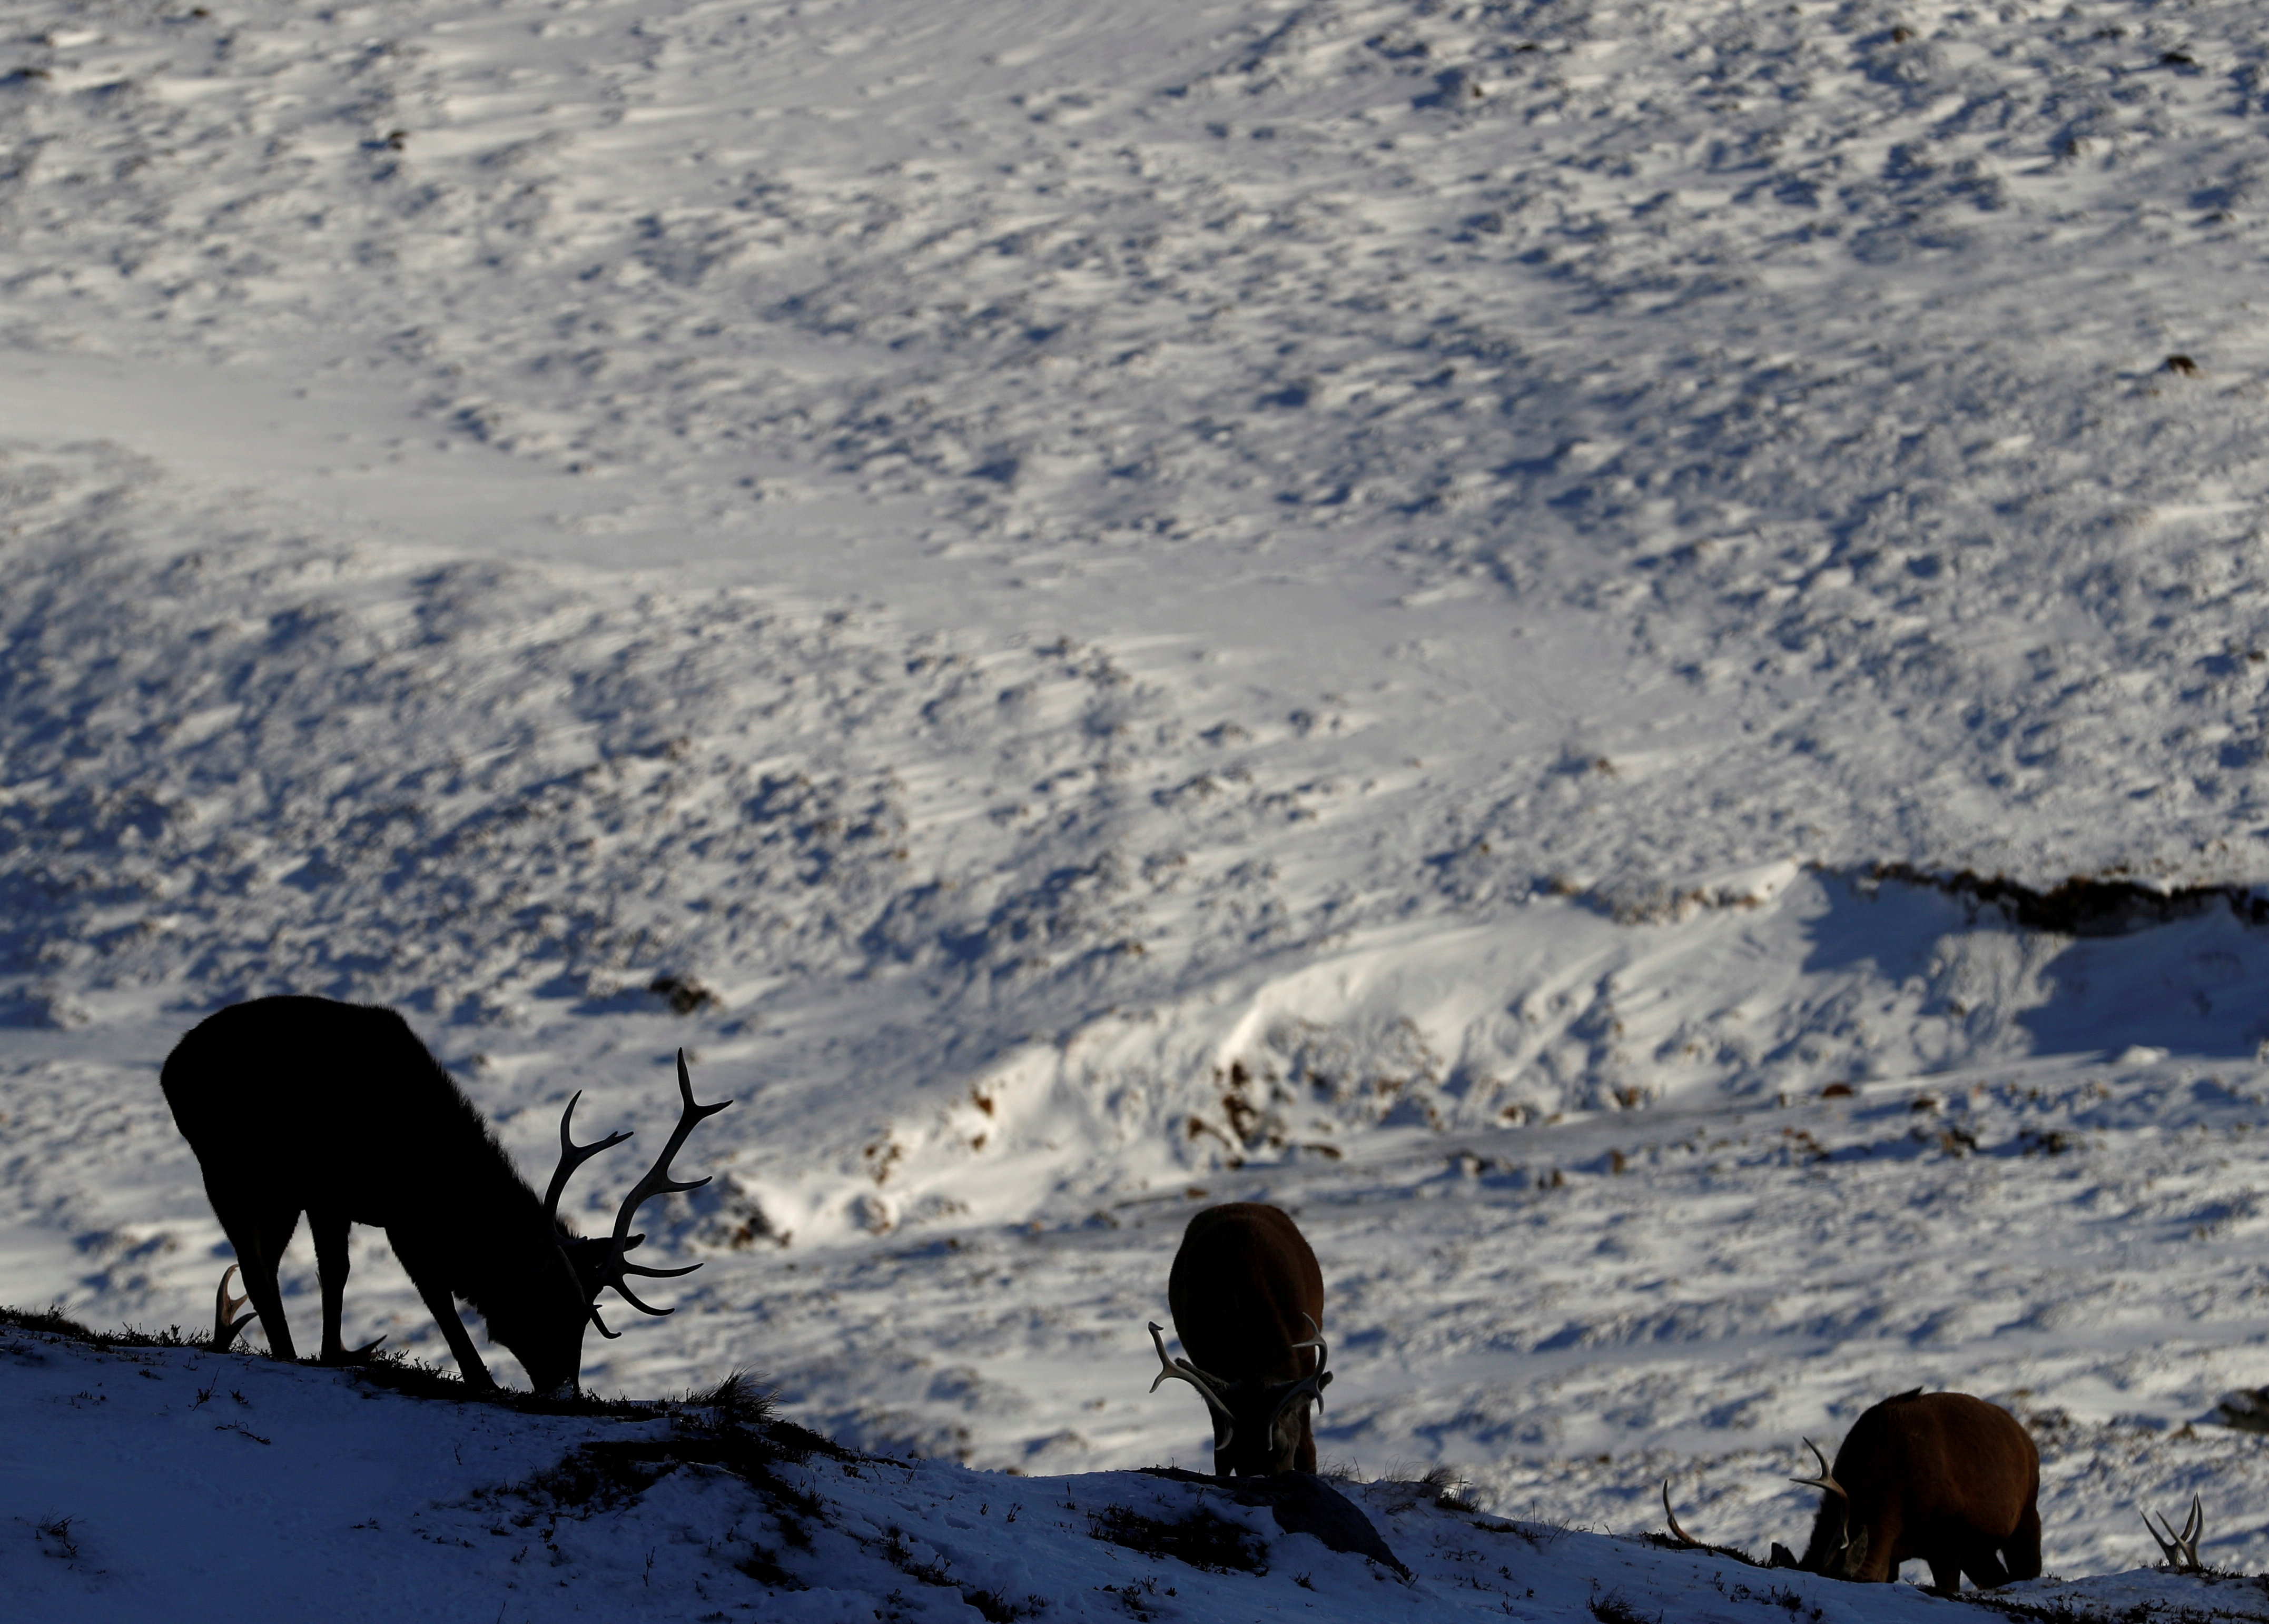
point(308, 1105)
point(1248, 1303)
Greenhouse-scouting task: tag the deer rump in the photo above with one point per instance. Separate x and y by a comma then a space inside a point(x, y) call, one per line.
point(1939, 1477)
point(306, 1105)
point(1248, 1303)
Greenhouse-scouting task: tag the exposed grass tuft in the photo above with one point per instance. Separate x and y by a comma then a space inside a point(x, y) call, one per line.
point(1448, 1489)
point(740, 1396)
point(1201, 1539)
point(1671, 1542)
point(54, 1535)
point(1613, 1608)
point(53, 1322)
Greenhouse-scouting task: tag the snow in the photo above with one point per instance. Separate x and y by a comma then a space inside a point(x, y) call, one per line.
point(207, 1474)
point(1385, 607)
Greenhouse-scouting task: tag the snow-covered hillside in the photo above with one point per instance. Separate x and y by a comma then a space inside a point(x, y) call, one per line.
point(174, 1481)
point(1437, 613)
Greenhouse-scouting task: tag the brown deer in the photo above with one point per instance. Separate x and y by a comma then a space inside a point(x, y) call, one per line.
point(1940, 1478)
point(1248, 1303)
point(302, 1105)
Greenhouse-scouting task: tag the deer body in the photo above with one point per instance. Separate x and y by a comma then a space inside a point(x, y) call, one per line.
point(1939, 1477)
point(304, 1105)
point(1248, 1304)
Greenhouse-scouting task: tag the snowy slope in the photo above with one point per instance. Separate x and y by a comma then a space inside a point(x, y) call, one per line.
point(168, 1481)
point(1338, 603)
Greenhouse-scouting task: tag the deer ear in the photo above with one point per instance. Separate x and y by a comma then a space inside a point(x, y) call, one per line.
point(1856, 1557)
point(1782, 1557)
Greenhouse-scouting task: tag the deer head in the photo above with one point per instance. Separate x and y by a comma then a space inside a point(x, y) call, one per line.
point(592, 1266)
point(1257, 1426)
point(1847, 1552)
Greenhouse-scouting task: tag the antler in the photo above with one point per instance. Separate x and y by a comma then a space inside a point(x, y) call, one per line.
point(1312, 1384)
point(656, 1182)
point(1306, 1387)
point(571, 1155)
point(1676, 1533)
point(1826, 1481)
point(2180, 1549)
point(226, 1321)
point(1182, 1370)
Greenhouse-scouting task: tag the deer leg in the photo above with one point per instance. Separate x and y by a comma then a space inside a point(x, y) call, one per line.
point(329, 1231)
point(1985, 1567)
point(1945, 1573)
point(260, 1239)
point(2023, 1547)
point(442, 1305)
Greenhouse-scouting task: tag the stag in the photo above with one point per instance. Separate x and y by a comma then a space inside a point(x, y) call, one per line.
point(1940, 1478)
point(1248, 1303)
point(303, 1104)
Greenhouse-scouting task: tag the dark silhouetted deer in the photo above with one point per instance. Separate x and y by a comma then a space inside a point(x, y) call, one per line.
point(302, 1105)
point(1248, 1303)
point(1940, 1478)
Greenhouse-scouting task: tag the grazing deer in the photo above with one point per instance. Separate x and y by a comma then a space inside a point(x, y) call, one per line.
point(1940, 1478)
point(302, 1105)
point(1248, 1303)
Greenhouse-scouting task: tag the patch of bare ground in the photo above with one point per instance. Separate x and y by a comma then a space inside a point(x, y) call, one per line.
point(2082, 905)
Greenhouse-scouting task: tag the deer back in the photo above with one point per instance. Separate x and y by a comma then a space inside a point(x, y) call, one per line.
point(1923, 1472)
point(1244, 1289)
